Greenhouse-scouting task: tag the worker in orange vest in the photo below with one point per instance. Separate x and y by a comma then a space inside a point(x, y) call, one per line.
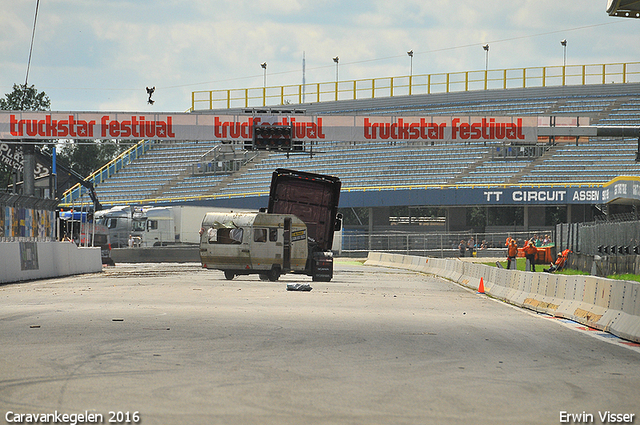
point(530, 253)
point(512, 252)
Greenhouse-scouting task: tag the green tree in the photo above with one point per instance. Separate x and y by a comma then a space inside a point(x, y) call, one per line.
point(22, 98)
point(85, 157)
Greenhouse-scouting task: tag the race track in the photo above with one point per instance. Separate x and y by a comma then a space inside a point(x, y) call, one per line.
point(181, 345)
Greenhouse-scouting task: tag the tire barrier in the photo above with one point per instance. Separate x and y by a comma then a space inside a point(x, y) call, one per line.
point(604, 304)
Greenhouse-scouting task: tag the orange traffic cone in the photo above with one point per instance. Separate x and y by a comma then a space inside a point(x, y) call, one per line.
point(481, 287)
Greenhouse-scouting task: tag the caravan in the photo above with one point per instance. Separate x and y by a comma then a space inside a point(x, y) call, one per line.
point(253, 242)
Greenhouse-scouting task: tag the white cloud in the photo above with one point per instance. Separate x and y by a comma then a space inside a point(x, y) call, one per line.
point(92, 54)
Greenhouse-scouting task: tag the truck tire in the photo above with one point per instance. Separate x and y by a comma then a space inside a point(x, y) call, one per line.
point(273, 275)
point(229, 275)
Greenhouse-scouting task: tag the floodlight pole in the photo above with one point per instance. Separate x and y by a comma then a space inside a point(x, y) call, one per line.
point(264, 84)
point(336, 60)
point(264, 67)
point(410, 53)
point(486, 65)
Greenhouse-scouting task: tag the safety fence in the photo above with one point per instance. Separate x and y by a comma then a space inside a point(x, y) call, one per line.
point(542, 76)
point(605, 304)
point(435, 244)
point(602, 237)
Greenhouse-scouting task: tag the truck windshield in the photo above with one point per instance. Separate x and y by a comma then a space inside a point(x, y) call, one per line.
point(138, 225)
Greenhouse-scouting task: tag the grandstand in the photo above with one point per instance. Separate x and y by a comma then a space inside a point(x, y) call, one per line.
point(179, 172)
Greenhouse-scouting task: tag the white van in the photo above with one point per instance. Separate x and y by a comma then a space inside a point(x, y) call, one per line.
point(253, 242)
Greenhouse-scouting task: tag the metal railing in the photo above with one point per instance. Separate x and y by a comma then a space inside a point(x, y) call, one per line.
point(170, 199)
point(613, 237)
point(436, 244)
point(108, 170)
point(545, 76)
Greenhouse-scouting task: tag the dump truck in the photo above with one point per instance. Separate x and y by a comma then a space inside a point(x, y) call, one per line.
point(301, 218)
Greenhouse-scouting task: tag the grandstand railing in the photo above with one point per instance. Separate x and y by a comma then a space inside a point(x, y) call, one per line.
point(545, 76)
point(74, 193)
point(172, 199)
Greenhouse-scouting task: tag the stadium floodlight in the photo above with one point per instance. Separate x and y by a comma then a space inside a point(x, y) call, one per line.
point(564, 48)
point(624, 8)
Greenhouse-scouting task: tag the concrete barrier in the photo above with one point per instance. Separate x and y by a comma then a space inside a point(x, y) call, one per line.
point(39, 260)
point(605, 304)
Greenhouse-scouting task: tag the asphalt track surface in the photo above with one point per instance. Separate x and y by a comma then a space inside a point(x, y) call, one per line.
point(181, 345)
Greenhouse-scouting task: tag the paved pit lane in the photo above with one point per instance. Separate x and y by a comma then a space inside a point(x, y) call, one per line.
point(176, 344)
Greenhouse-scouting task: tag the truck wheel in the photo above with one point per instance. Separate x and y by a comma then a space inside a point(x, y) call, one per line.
point(273, 275)
point(229, 275)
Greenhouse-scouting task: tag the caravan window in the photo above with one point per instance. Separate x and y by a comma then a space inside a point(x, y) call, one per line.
point(260, 235)
point(273, 234)
point(112, 223)
point(225, 236)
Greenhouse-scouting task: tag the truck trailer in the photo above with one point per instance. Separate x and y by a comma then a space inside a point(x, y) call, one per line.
point(152, 226)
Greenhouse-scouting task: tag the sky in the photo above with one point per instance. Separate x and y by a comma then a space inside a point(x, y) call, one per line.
point(97, 55)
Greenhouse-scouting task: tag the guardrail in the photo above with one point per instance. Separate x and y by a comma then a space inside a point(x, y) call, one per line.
point(543, 76)
point(109, 169)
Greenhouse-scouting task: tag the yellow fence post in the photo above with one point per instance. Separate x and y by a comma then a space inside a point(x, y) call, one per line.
point(228, 99)
point(373, 88)
point(429, 84)
point(524, 77)
point(318, 92)
point(466, 81)
point(391, 87)
point(584, 74)
point(544, 76)
point(448, 83)
point(410, 83)
point(604, 73)
point(504, 80)
point(246, 98)
point(563, 74)
point(486, 77)
point(282, 95)
point(354, 90)
point(264, 96)
point(624, 73)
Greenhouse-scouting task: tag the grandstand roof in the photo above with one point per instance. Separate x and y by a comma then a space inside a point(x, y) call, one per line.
point(624, 8)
